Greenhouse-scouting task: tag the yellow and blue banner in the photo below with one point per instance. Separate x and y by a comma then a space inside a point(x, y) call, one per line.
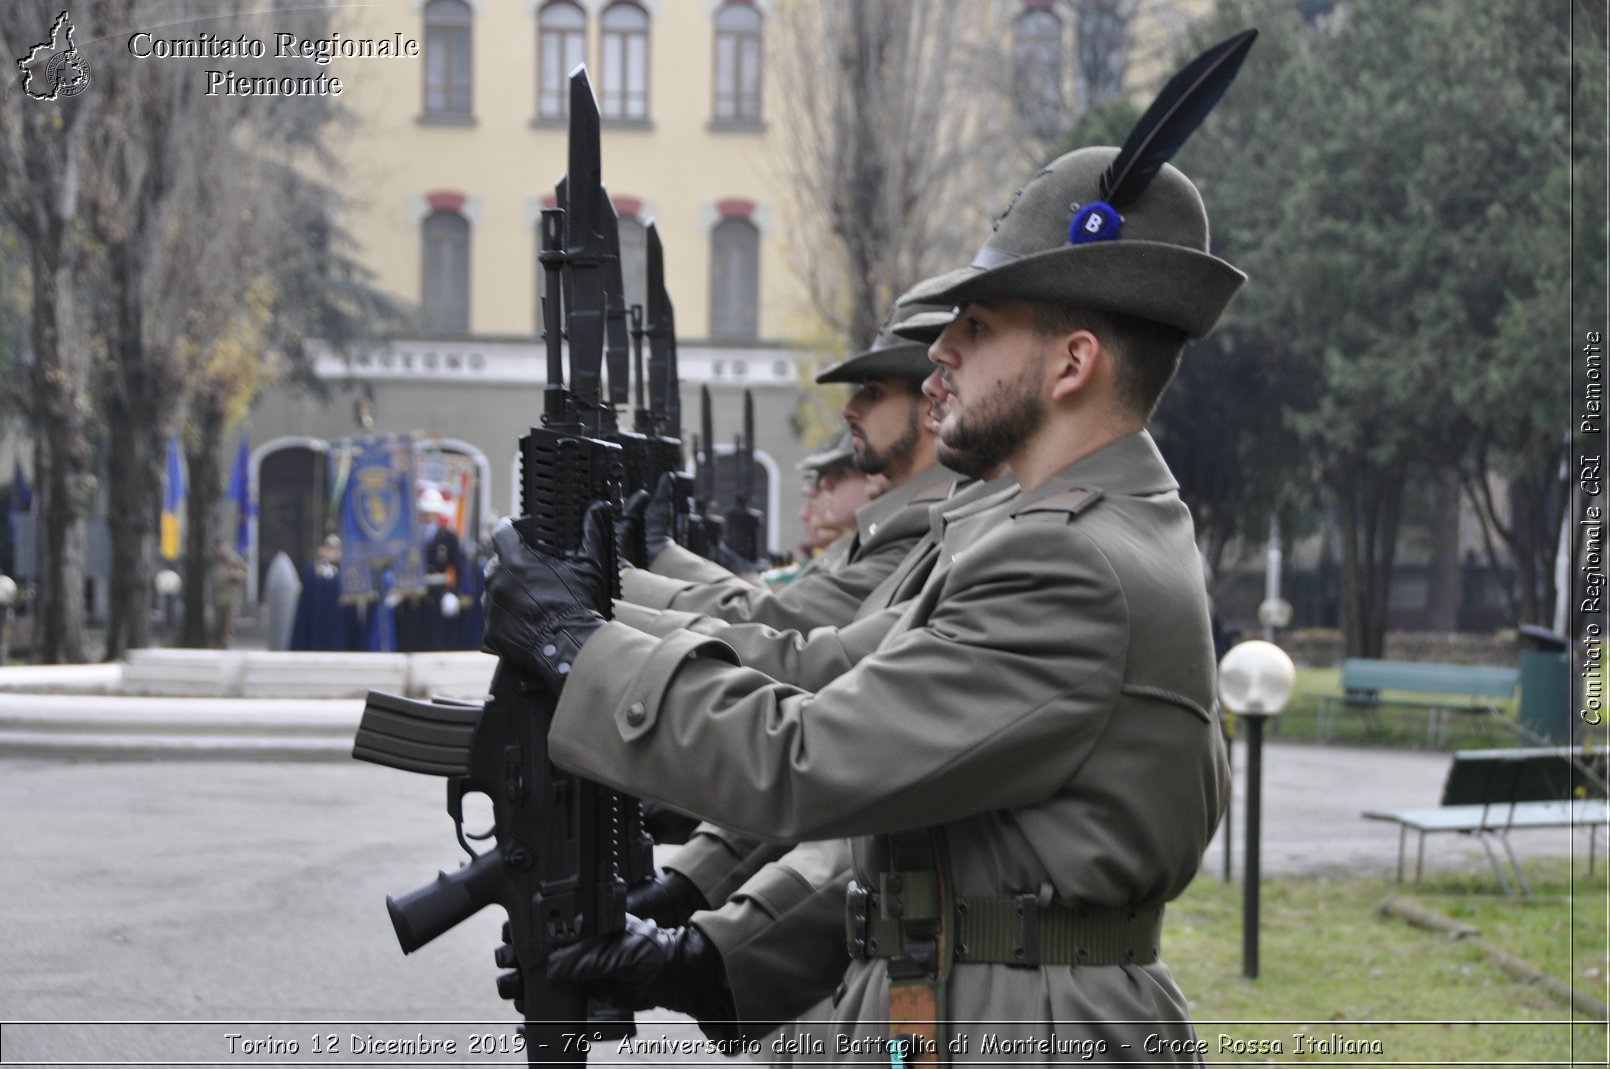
point(174, 492)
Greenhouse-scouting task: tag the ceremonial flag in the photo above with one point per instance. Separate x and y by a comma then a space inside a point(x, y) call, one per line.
point(173, 499)
point(240, 492)
point(377, 520)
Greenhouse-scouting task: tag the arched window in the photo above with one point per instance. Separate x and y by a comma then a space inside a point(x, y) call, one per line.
point(447, 58)
point(735, 279)
point(561, 45)
point(738, 58)
point(1037, 69)
point(445, 286)
point(623, 62)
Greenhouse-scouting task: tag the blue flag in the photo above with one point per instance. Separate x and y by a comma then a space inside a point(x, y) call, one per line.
point(173, 498)
point(377, 520)
point(240, 492)
point(22, 495)
point(22, 503)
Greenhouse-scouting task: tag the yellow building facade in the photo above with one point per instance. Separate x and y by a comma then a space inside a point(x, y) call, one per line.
point(452, 152)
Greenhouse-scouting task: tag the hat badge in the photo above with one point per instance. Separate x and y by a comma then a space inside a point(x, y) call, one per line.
point(1096, 221)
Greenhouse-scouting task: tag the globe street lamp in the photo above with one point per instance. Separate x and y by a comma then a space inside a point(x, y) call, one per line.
point(8, 598)
point(168, 583)
point(1255, 682)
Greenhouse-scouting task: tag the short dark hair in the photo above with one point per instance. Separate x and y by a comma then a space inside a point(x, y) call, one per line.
point(1147, 352)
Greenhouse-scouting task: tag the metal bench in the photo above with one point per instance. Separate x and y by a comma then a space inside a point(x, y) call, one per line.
point(1489, 793)
point(1460, 688)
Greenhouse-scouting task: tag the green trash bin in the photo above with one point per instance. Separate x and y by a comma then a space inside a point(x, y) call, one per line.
point(1545, 706)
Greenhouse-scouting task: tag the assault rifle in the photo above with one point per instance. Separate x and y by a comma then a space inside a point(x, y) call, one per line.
point(704, 529)
point(743, 523)
point(659, 410)
point(556, 865)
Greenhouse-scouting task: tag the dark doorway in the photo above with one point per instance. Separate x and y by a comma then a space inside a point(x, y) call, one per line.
point(293, 494)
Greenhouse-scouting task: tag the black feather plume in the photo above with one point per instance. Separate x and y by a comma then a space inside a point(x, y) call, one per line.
point(1178, 110)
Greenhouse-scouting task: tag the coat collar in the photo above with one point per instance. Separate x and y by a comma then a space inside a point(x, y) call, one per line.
point(1130, 466)
point(875, 512)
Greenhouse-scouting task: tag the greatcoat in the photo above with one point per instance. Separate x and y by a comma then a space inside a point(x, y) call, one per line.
point(1044, 707)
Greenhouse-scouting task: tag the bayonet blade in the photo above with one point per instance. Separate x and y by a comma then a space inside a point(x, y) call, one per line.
point(617, 349)
point(707, 470)
point(659, 335)
point(746, 462)
point(584, 319)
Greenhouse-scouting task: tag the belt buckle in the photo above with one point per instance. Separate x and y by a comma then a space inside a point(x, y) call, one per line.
point(919, 959)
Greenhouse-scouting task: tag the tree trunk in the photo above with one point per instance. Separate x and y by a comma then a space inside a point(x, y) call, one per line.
point(66, 483)
point(134, 490)
point(138, 403)
point(200, 521)
point(1442, 572)
point(1370, 506)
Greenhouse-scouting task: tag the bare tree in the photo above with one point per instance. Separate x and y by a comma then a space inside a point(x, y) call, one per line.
point(1102, 29)
point(217, 229)
point(898, 148)
point(153, 129)
point(42, 164)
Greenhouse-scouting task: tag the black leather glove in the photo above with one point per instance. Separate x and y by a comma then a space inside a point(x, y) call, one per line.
point(666, 825)
point(670, 898)
point(647, 966)
point(629, 531)
point(659, 513)
point(540, 610)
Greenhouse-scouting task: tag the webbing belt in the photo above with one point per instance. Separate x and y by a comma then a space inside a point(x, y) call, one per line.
point(1003, 929)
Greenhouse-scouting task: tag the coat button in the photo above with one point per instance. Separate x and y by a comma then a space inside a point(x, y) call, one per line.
point(636, 714)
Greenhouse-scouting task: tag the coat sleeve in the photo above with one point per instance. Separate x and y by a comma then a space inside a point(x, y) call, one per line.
point(810, 660)
point(718, 861)
point(814, 600)
point(781, 935)
point(988, 696)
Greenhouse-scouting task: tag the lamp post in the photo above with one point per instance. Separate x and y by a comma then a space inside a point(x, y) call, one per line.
point(8, 599)
point(1255, 681)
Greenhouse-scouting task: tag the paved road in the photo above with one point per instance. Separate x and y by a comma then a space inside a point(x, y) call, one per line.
point(230, 891)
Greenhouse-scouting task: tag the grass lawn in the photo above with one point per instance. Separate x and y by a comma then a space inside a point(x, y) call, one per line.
point(1330, 964)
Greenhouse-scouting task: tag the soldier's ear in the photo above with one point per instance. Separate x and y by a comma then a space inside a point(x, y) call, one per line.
point(1076, 361)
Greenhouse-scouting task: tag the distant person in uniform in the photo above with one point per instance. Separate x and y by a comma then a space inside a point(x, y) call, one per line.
point(834, 488)
point(444, 569)
point(322, 621)
point(228, 582)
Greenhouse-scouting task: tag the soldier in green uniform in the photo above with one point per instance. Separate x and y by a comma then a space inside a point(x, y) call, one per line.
point(1029, 765)
point(888, 436)
point(890, 439)
point(834, 490)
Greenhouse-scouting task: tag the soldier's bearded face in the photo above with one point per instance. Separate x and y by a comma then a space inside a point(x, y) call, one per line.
point(884, 417)
point(962, 462)
point(988, 385)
